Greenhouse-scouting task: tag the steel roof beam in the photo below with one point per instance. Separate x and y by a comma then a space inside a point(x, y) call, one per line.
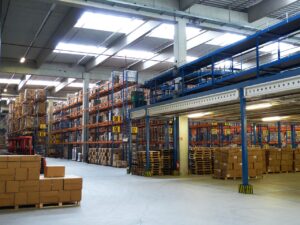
point(265, 8)
point(24, 81)
point(128, 40)
point(67, 24)
point(185, 4)
point(65, 82)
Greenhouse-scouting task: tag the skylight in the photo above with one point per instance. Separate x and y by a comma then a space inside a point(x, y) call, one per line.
point(226, 39)
point(285, 48)
point(135, 54)
point(105, 22)
point(9, 81)
point(80, 85)
point(166, 31)
point(43, 83)
point(77, 49)
point(188, 59)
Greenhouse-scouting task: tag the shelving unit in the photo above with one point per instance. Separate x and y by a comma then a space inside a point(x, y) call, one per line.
point(27, 122)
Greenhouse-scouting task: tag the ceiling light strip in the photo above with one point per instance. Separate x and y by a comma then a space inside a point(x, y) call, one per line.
point(194, 103)
point(273, 87)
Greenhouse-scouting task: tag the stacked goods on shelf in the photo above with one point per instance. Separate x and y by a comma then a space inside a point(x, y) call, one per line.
point(228, 163)
point(273, 160)
point(21, 184)
point(139, 166)
point(297, 160)
point(102, 156)
point(286, 163)
point(108, 117)
point(200, 160)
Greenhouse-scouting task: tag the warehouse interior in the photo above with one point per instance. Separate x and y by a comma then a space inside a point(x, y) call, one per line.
point(149, 112)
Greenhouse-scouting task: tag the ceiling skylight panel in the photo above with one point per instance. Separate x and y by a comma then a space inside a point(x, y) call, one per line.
point(226, 39)
point(135, 54)
point(105, 22)
point(78, 49)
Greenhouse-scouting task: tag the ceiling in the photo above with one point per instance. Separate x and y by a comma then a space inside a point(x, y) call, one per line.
point(34, 28)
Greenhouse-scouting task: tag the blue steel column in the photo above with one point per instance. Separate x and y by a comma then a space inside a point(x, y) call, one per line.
point(147, 143)
point(257, 57)
point(293, 136)
point(279, 134)
point(244, 187)
point(167, 134)
point(254, 134)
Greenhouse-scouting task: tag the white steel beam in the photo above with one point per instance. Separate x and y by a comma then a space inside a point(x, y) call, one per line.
point(65, 82)
point(128, 40)
point(185, 4)
point(180, 45)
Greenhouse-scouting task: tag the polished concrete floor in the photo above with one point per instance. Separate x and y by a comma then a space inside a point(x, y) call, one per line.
point(111, 197)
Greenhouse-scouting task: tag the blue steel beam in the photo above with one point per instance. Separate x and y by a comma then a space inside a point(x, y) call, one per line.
point(244, 137)
point(276, 31)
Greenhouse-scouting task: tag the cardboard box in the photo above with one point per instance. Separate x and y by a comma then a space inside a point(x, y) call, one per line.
point(21, 174)
point(49, 197)
point(21, 198)
point(45, 184)
point(33, 173)
point(3, 158)
point(72, 183)
point(12, 186)
point(30, 164)
point(2, 187)
point(64, 196)
point(76, 196)
point(3, 165)
point(13, 164)
point(57, 184)
point(31, 158)
point(13, 158)
point(33, 198)
point(54, 171)
point(7, 199)
point(29, 186)
point(7, 174)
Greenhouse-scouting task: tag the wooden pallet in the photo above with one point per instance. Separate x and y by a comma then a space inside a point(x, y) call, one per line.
point(58, 205)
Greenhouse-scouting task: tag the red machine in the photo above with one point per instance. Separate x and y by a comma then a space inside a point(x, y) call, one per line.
point(21, 145)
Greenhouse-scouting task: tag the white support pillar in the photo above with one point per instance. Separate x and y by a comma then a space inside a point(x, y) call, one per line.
point(85, 116)
point(180, 49)
point(183, 145)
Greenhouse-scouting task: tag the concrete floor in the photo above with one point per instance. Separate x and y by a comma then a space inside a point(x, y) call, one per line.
point(111, 197)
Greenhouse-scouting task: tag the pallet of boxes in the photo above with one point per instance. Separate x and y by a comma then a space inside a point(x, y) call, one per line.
point(21, 185)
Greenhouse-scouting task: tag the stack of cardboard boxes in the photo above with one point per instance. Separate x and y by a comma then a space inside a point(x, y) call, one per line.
point(228, 163)
point(287, 158)
point(21, 184)
point(297, 160)
point(273, 160)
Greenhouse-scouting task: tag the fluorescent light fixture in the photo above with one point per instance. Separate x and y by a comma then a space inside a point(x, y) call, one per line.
point(226, 39)
point(135, 54)
point(198, 115)
point(78, 49)
point(22, 60)
point(43, 83)
point(5, 90)
point(273, 118)
point(110, 23)
point(259, 106)
point(9, 81)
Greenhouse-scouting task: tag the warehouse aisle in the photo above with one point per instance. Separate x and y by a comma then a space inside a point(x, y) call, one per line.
point(111, 197)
